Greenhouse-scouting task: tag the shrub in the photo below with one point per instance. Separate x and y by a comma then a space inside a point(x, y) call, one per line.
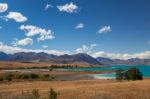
point(33, 76)
point(52, 94)
point(35, 94)
point(52, 77)
point(46, 76)
point(1, 78)
point(22, 76)
point(50, 69)
point(9, 77)
point(119, 75)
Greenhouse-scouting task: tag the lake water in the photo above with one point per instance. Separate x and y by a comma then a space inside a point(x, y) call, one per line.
point(144, 69)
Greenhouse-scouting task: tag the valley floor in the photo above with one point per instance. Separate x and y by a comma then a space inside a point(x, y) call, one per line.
point(82, 89)
point(70, 84)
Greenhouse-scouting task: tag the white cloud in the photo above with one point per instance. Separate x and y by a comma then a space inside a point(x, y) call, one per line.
point(48, 6)
point(1, 27)
point(23, 42)
point(142, 55)
point(79, 26)
point(88, 50)
point(3, 7)
point(69, 8)
point(85, 49)
point(18, 17)
point(44, 46)
point(12, 49)
point(148, 42)
point(1, 43)
point(104, 29)
point(34, 30)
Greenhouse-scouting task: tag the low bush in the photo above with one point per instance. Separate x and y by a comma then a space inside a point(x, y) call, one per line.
point(1, 79)
point(34, 94)
point(65, 66)
point(33, 76)
point(52, 94)
point(23, 76)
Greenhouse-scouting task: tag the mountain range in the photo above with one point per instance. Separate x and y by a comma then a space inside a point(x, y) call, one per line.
point(80, 58)
point(131, 61)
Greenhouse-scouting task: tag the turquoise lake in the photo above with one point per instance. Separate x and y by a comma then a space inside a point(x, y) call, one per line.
point(144, 69)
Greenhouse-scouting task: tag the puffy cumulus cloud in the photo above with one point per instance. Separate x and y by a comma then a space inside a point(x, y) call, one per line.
point(79, 26)
point(44, 46)
point(104, 29)
point(23, 42)
point(3, 7)
point(109, 55)
point(85, 48)
point(18, 17)
point(69, 8)
point(34, 30)
point(48, 6)
point(88, 50)
point(14, 49)
point(142, 55)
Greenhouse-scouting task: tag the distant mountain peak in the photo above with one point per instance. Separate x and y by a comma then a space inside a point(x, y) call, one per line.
point(80, 58)
point(131, 61)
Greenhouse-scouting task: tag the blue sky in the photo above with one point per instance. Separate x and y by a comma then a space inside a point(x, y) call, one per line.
point(119, 27)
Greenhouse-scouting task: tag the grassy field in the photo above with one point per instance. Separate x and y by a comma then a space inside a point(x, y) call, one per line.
point(83, 89)
point(14, 65)
point(67, 84)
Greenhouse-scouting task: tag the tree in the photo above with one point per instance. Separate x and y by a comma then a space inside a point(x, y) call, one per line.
point(129, 74)
point(134, 74)
point(119, 75)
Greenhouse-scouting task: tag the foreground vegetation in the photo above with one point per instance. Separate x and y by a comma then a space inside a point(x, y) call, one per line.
point(24, 76)
point(35, 85)
point(82, 89)
point(34, 94)
point(129, 74)
point(38, 65)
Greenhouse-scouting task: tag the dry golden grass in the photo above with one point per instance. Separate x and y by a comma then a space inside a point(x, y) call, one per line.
point(13, 64)
point(9, 64)
point(84, 89)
